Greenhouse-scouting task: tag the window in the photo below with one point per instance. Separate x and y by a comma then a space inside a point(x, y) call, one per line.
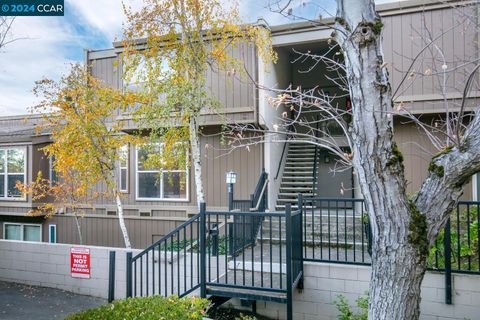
point(22, 231)
point(123, 169)
point(12, 170)
point(158, 183)
point(52, 233)
point(52, 173)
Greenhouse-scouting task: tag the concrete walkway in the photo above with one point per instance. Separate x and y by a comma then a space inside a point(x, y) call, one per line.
point(23, 302)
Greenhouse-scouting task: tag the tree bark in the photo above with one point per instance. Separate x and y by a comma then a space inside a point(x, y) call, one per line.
point(196, 159)
point(399, 248)
point(79, 229)
point(121, 219)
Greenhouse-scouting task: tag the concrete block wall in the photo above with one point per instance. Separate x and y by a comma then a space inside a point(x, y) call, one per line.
point(323, 283)
point(48, 265)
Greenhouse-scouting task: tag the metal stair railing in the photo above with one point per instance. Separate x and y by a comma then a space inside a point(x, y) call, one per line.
point(169, 266)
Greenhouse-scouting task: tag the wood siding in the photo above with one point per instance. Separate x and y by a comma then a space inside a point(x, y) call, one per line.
point(105, 231)
point(405, 35)
point(216, 161)
point(418, 152)
point(236, 95)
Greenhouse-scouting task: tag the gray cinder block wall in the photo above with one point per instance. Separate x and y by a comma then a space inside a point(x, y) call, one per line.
point(48, 265)
point(324, 282)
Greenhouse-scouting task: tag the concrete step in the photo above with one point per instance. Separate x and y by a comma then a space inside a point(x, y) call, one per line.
point(298, 168)
point(293, 195)
point(299, 163)
point(295, 177)
point(291, 172)
point(303, 158)
point(290, 182)
point(297, 155)
point(296, 188)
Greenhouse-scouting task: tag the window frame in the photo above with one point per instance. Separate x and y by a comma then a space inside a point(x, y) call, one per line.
point(119, 171)
point(22, 232)
point(161, 172)
point(5, 172)
point(50, 227)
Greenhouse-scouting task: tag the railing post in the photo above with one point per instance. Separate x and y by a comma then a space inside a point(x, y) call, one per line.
point(230, 196)
point(111, 277)
point(448, 263)
point(214, 236)
point(203, 256)
point(300, 208)
point(288, 229)
point(129, 275)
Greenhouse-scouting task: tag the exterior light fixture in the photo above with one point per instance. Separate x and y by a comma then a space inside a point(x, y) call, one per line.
point(231, 177)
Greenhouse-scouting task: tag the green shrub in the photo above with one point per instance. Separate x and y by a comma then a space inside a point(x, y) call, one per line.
point(148, 308)
point(346, 312)
point(464, 242)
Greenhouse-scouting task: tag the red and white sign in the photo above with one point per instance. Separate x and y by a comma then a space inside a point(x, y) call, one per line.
point(80, 262)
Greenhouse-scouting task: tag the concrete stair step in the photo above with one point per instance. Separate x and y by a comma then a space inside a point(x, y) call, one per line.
point(296, 188)
point(291, 173)
point(295, 177)
point(292, 195)
point(298, 168)
point(299, 163)
point(299, 158)
point(304, 182)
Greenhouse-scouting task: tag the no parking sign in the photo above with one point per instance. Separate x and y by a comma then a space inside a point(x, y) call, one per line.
point(80, 262)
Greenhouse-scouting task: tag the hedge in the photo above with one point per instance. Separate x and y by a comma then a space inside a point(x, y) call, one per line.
point(147, 308)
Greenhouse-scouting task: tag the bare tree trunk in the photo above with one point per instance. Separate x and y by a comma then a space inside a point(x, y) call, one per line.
point(79, 229)
point(121, 219)
point(399, 230)
point(196, 159)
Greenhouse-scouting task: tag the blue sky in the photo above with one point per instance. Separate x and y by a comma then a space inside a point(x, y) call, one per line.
point(52, 43)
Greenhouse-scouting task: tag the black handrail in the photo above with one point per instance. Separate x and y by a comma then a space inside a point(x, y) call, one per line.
point(157, 269)
point(281, 159)
point(315, 162)
point(205, 267)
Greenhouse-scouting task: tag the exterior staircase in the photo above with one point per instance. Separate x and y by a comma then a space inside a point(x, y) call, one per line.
point(326, 224)
point(297, 175)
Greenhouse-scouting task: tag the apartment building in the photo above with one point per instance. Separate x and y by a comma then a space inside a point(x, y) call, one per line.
point(154, 205)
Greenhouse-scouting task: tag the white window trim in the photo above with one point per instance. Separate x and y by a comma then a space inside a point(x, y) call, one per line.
point(128, 172)
point(187, 191)
point(21, 229)
point(50, 233)
point(5, 172)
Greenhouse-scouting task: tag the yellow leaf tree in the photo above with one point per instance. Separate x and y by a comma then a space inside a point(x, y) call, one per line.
point(79, 113)
point(170, 45)
point(52, 196)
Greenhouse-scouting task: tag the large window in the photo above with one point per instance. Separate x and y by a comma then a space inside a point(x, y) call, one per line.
point(123, 169)
point(159, 183)
point(12, 170)
point(22, 231)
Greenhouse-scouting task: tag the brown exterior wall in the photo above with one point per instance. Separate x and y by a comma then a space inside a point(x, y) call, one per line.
point(417, 151)
point(236, 95)
point(105, 231)
point(405, 35)
point(216, 161)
